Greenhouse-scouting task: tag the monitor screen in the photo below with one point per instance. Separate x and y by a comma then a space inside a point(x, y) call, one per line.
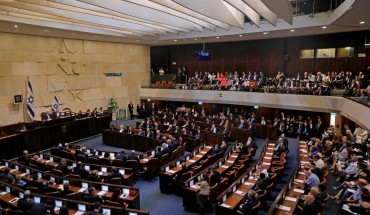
point(81, 207)
point(21, 195)
point(126, 191)
point(195, 153)
point(51, 159)
point(28, 171)
point(243, 180)
point(52, 178)
point(87, 168)
point(104, 169)
point(191, 183)
point(167, 168)
point(111, 154)
point(224, 198)
point(41, 156)
point(152, 153)
point(88, 151)
point(106, 211)
point(7, 189)
point(220, 163)
point(74, 164)
point(37, 199)
point(65, 181)
point(103, 153)
point(60, 145)
point(202, 55)
point(16, 167)
point(39, 175)
point(58, 203)
point(234, 188)
point(177, 163)
point(132, 213)
point(187, 158)
point(104, 188)
point(122, 171)
point(84, 185)
point(6, 164)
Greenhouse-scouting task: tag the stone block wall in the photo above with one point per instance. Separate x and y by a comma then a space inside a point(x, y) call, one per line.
point(73, 70)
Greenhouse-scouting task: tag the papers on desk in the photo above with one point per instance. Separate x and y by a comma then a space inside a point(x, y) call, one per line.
point(209, 147)
point(60, 187)
point(14, 200)
point(24, 174)
point(225, 205)
point(81, 190)
point(56, 208)
point(48, 161)
point(100, 173)
point(240, 192)
point(3, 193)
point(254, 179)
point(303, 150)
point(101, 193)
point(146, 160)
point(268, 153)
point(230, 161)
point(2, 167)
point(79, 213)
point(202, 152)
point(248, 183)
point(268, 158)
point(301, 173)
point(298, 181)
point(192, 161)
point(303, 162)
point(264, 163)
point(285, 208)
point(271, 144)
point(171, 171)
point(199, 156)
point(223, 166)
point(291, 199)
point(298, 190)
point(271, 148)
point(233, 156)
point(194, 186)
point(13, 170)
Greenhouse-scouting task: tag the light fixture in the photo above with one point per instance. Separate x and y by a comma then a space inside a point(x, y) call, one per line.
point(195, 39)
point(46, 30)
point(137, 40)
point(217, 37)
point(324, 27)
point(292, 30)
point(362, 22)
point(175, 40)
point(240, 35)
point(265, 33)
point(15, 26)
point(73, 33)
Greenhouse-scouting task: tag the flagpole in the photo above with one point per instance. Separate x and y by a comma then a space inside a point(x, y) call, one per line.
point(25, 103)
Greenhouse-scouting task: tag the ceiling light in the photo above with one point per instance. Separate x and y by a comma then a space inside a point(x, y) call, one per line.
point(240, 35)
point(73, 33)
point(96, 36)
point(362, 22)
point(292, 30)
point(137, 40)
point(217, 37)
point(324, 27)
point(195, 39)
point(46, 30)
point(265, 33)
point(15, 26)
point(175, 40)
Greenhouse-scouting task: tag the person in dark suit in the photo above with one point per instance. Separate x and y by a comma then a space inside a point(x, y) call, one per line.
point(94, 176)
point(92, 196)
point(214, 178)
point(184, 169)
point(133, 156)
point(251, 144)
point(216, 149)
point(250, 126)
point(131, 110)
point(80, 170)
point(62, 166)
point(158, 153)
point(198, 135)
point(96, 211)
point(148, 133)
point(66, 190)
point(158, 134)
point(213, 128)
point(121, 155)
point(141, 132)
point(223, 147)
point(226, 131)
point(114, 174)
point(41, 209)
point(25, 203)
point(310, 207)
point(6, 175)
point(173, 144)
point(249, 203)
point(23, 159)
point(166, 149)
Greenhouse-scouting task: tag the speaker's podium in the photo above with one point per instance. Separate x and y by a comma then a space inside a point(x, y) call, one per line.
point(122, 114)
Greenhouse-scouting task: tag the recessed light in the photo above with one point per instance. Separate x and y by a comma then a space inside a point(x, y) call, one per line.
point(175, 40)
point(324, 27)
point(195, 39)
point(15, 26)
point(73, 33)
point(240, 35)
point(46, 30)
point(292, 30)
point(96, 36)
point(362, 22)
point(265, 33)
point(217, 37)
point(137, 40)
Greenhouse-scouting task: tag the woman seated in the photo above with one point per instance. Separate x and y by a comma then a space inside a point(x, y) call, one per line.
point(116, 197)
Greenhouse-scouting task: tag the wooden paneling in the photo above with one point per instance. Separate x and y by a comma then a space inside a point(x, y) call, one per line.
point(265, 55)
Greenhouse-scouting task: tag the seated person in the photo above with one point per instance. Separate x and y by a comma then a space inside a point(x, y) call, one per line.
point(249, 203)
point(309, 206)
point(94, 176)
point(18, 181)
point(25, 203)
point(116, 197)
point(115, 174)
point(6, 175)
point(97, 209)
point(34, 183)
point(92, 196)
point(80, 170)
point(66, 190)
point(133, 156)
point(23, 159)
point(203, 190)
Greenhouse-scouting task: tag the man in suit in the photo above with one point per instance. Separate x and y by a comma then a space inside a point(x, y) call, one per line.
point(25, 203)
point(131, 110)
point(223, 147)
point(198, 135)
point(158, 153)
point(215, 177)
point(250, 126)
point(174, 144)
point(141, 132)
point(158, 134)
point(6, 175)
point(96, 211)
point(80, 170)
point(115, 174)
point(121, 128)
point(148, 133)
point(23, 159)
point(94, 176)
point(62, 166)
point(34, 183)
point(166, 149)
point(92, 196)
point(251, 144)
point(249, 203)
point(310, 206)
point(133, 156)
point(121, 155)
point(170, 128)
point(66, 190)
point(213, 128)
point(41, 208)
point(280, 148)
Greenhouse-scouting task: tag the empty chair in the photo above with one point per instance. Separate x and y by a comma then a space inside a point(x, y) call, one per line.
point(81, 158)
point(118, 163)
point(92, 160)
point(54, 194)
point(222, 185)
point(151, 169)
point(55, 151)
point(134, 165)
point(116, 181)
point(57, 172)
point(164, 160)
point(213, 192)
point(105, 161)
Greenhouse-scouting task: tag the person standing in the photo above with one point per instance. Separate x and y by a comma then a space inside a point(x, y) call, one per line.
point(131, 110)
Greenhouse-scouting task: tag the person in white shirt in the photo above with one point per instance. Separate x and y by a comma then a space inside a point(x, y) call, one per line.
point(319, 163)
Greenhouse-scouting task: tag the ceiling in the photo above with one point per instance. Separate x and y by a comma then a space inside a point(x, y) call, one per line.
point(167, 22)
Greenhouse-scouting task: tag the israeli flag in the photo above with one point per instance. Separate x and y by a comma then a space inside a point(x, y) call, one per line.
point(55, 106)
point(30, 101)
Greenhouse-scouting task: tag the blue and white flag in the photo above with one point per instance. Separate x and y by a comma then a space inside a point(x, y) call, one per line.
point(55, 106)
point(30, 101)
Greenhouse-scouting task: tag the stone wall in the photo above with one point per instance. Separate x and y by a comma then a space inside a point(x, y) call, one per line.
point(73, 70)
